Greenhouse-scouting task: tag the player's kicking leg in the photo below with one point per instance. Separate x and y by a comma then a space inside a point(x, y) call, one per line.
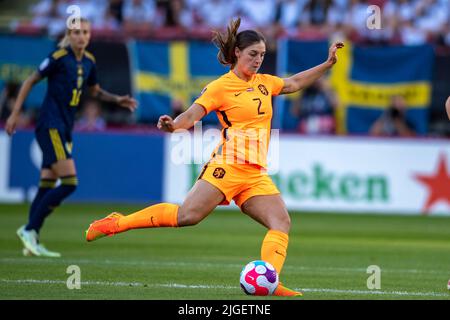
point(199, 203)
point(270, 211)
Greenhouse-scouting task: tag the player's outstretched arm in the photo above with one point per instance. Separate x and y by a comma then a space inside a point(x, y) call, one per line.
point(305, 78)
point(123, 101)
point(25, 89)
point(184, 121)
point(447, 107)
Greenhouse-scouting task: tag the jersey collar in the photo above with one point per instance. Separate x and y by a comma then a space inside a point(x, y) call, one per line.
point(250, 82)
point(69, 49)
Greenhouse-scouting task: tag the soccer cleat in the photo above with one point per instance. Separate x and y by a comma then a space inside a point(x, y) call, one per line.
point(29, 240)
point(282, 291)
point(44, 252)
point(104, 227)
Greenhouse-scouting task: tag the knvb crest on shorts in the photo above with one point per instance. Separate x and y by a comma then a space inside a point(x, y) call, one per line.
point(219, 173)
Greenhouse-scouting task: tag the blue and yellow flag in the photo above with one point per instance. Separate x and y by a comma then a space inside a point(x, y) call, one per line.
point(164, 71)
point(365, 79)
point(294, 57)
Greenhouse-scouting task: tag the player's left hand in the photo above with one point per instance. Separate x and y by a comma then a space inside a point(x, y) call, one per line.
point(332, 57)
point(127, 102)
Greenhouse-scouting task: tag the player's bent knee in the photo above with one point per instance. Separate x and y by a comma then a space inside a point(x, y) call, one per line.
point(282, 223)
point(190, 216)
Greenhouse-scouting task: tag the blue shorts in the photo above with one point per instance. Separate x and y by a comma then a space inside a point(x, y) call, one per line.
point(56, 145)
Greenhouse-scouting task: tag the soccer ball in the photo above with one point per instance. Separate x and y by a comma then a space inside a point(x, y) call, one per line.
point(259, 278)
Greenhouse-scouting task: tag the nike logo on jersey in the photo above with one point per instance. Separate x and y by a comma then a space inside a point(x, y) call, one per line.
point(247, 90)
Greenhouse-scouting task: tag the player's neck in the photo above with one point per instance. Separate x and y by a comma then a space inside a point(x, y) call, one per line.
point(78, 53)
point(241, 75)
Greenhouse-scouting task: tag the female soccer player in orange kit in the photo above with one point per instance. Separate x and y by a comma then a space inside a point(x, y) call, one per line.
point(242, 100)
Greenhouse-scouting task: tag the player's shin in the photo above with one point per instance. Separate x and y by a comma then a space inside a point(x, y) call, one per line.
point(274, 248)
point(156, 216)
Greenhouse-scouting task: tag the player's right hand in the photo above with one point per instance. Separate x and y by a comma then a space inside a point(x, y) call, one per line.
point(165, 123)
point(11, 124)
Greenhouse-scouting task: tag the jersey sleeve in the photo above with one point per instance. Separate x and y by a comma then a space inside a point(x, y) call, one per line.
point(276, 83)
point(47, 67)
point(209, 97)
point(92, 78)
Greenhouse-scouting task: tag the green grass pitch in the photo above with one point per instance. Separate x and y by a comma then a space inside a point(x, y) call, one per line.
point(328, 257)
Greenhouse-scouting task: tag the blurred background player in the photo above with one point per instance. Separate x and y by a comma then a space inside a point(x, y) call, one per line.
point(242, 99)
point(69, 70)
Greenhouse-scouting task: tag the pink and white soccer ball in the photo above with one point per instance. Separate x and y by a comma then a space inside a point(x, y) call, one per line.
point(259, 278)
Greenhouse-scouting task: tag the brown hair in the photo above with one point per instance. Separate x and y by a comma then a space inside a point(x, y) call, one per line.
point(65, 41)
point(232, 39)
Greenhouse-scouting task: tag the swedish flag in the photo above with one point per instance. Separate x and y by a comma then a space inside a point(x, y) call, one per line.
point(164, 71)
point(365, 79)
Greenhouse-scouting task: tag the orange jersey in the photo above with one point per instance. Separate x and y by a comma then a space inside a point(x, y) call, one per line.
point(244, 109)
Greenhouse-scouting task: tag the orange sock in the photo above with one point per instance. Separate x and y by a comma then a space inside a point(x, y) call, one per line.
point(274, 248)
point(156, 216)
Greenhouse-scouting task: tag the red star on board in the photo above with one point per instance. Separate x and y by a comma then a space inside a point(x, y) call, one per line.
point(438, 184)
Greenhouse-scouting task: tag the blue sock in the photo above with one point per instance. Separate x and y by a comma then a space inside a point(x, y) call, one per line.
point(50, 200)
point(45, 185)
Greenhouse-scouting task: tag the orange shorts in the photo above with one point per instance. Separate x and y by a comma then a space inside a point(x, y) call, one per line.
point(238, 182)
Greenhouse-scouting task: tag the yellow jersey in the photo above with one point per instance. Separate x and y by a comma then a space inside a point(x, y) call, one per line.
point(244, 109)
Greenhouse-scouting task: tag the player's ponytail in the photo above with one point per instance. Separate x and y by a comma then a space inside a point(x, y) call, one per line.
point(226, 43)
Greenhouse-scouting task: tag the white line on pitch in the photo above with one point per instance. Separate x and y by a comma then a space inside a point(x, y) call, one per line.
point(187, 286)
point(201, 264)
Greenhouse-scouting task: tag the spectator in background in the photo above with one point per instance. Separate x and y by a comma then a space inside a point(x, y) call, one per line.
point(49, 14)
point(336, 13)
point(288, 14)
point(393, 122)
point(178, 14)
point(315, 110)
point(431, 17)
point(108, 20)
point(116, 9)
point(140, 16)
point(91, 119)
point(315, 13)
point(258, 14)
point(356, 20)
point(410, 35)
point(92, 10)
point(321, 19)
point(216, 13)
